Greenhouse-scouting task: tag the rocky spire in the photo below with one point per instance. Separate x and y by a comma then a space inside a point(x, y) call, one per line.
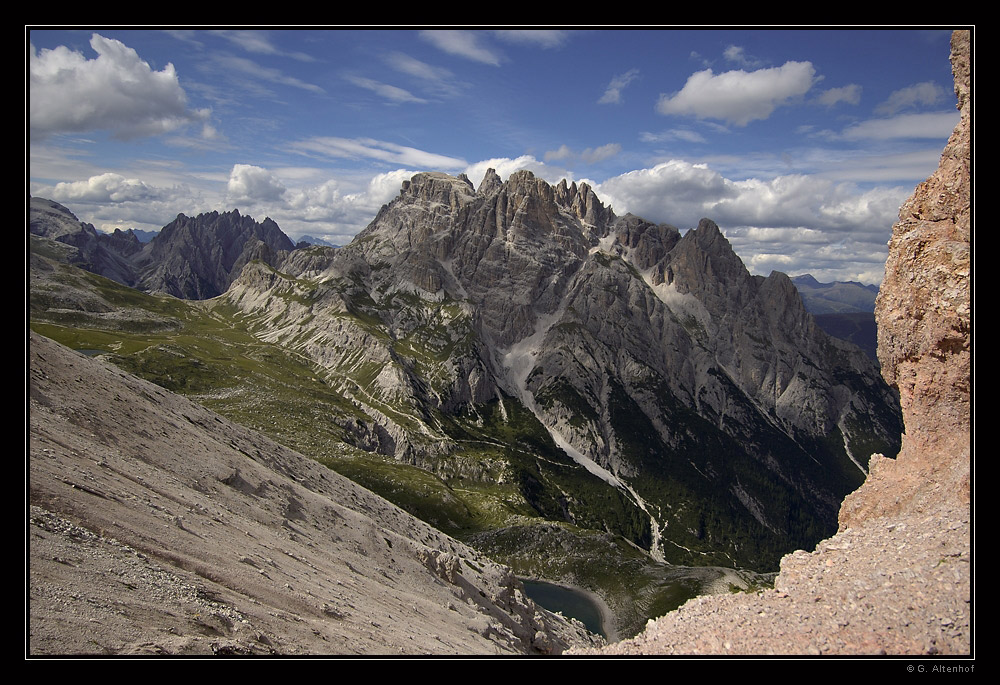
point(490, 183)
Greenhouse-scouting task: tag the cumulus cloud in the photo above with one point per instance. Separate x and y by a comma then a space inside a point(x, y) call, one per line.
point(794, 223)
point(467, 44)
point(117, 91)
point(794, 251)
point(681, 193)
point(107, 187)
point(613, 93)
point(851, 94)
point(926, 93)
point(369, 148)
point(739, 97)
point(253, 185)
point(505, 166)
point(597, 154)
point(342, 209)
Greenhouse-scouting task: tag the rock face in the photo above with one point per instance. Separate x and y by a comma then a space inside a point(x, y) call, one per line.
point(196, 258)
point(100, 253)
point(654, 359)
point(193, 258)
point(158, 527)
point(896, 579)
point(924, 319)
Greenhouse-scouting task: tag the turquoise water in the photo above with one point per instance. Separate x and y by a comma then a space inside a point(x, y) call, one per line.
point(568, 601)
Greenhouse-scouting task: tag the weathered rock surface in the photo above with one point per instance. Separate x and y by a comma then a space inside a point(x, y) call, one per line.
point(197, 258)
point(193, 258)
point(157, 527)
point(100, 253)
point(896, 579)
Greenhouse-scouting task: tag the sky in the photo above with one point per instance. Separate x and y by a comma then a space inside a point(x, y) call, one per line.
point(800, 144)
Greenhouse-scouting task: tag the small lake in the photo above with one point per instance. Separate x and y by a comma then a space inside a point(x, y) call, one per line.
point(568, 601)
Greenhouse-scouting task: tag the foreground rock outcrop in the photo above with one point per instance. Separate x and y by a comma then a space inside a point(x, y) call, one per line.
point(896, 579)
point(158, 527)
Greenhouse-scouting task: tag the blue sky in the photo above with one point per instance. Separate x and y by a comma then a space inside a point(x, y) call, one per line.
point(800, 144)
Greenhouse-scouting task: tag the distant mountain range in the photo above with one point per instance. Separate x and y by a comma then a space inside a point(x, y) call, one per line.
point(844, 309)
point(310, 240)
point(839, 297)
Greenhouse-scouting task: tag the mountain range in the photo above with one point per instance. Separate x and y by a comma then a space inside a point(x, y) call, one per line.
point(539, 357)
point(839, 297)
point(844, 309)
point(654, 360)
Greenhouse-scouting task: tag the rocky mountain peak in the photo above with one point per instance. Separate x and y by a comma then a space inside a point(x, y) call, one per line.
point(199, 257)
point(491, 183)
point(438, 187)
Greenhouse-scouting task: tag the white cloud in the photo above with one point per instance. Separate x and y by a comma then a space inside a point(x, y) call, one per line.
point(108, 187)
point(792, 223)
point(505, 166)
point(677, 192)
point(681, 193)
point(926, 93)
point(340, 209)
point(391, 93)
point(851, 94)
point(737, 54)
point(613, 93)
point(465, 44)
point(117, 91)
point(556, 155)
point(911, 167)
point(253, 185)
point(597, 154)
point(368, 148)
point(739, 97)
point(544, 38)
point(796, 251)
point(929, 125)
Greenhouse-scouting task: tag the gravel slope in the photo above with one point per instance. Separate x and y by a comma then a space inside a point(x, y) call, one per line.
point(156, 527)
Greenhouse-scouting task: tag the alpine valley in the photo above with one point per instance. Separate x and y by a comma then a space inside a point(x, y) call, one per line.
point(584, 397)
